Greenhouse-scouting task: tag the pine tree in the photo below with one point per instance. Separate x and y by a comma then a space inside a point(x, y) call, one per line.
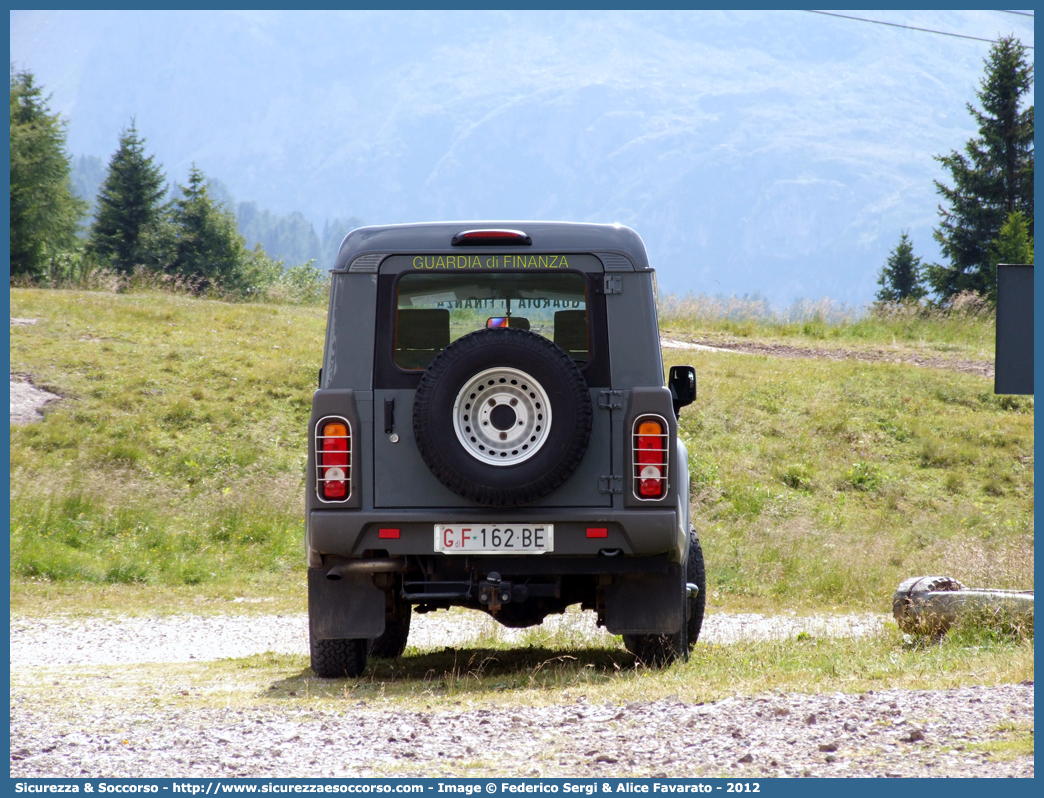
point(991, 179)
point(44, 211)
point(128, 225)
point(1014, 243)
point(209, 250)
point(901, 276)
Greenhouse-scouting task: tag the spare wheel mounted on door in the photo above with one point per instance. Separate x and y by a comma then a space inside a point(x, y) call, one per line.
point(502, 416)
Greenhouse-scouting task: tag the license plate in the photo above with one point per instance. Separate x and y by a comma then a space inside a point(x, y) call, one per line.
point(495, 538)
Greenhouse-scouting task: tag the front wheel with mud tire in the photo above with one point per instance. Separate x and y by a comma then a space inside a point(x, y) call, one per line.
point(339, 659)
point(661, 650)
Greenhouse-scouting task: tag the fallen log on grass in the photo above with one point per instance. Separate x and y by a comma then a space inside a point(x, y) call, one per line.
point(930, 605)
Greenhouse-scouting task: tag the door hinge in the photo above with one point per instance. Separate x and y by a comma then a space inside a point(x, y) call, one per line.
point(611, 400)
point(612, 284)
point(610, 484)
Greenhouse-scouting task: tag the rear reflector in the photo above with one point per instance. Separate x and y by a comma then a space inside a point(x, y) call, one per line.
point(600, 532)
point(478, 238)
point(333, 459)
point(650, 439)
point(390, 534)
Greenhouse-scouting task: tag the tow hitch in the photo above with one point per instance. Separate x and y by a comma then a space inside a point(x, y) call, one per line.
point(495, 592)
point(492, 591)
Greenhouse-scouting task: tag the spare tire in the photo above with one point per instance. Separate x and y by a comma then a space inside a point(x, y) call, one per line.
point(502, 416)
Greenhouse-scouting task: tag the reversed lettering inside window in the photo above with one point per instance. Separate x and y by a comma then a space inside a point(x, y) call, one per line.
point(433, 310)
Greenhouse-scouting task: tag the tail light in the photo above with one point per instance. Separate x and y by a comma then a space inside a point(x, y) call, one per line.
point(650, 438)
point(333, 459)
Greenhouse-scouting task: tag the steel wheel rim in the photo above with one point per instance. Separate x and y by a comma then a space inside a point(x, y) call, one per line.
point(502, 416)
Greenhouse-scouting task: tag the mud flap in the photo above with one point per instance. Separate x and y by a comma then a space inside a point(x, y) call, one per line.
point(344, 609)
point(639, 604)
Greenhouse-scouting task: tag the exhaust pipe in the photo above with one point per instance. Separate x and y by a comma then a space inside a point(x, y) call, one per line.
point(377, 565)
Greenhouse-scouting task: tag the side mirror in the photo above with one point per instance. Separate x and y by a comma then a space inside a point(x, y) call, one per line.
point(682, 382)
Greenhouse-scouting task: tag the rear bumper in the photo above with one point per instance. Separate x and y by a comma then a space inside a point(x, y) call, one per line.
point(348, 533)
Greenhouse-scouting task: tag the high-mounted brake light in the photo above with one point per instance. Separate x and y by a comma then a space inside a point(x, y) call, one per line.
point(650, 457)
point(333, 459)
point(482, 238)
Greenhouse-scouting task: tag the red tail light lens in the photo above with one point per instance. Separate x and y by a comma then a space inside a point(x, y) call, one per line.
point(333, 454)
point(650, 457)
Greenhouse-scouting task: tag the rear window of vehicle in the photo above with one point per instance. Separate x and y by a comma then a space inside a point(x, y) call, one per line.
point(433, 310)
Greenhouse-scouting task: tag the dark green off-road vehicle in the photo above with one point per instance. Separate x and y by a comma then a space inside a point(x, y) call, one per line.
point(492, 431)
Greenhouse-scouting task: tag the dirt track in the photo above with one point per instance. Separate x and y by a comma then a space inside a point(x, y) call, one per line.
point(982, 368)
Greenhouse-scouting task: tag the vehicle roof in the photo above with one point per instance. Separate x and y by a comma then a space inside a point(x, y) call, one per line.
point(434, 237)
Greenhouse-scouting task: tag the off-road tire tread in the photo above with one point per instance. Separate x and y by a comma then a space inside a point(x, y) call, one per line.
point(339, 659)
point(697, 574)
point(657, 651)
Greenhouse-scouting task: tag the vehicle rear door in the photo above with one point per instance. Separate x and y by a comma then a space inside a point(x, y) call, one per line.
point(413, 325)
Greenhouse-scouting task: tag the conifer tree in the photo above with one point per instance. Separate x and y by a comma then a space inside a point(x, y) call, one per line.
point(1013, 244)
point(128, 224)
point(44, 211)
point(992, 177)
point(901, 276)
point(208, 248)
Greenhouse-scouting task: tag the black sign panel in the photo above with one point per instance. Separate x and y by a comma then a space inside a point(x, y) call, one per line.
point(1014, 369)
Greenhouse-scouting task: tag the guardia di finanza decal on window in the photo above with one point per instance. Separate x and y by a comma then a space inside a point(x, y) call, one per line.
point(427, 262)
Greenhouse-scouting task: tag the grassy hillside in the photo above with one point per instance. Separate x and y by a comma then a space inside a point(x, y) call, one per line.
point(828, 482)
point(177, 457)
point(966, 331)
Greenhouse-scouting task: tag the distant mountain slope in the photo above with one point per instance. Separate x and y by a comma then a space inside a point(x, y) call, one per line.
point(778, 152)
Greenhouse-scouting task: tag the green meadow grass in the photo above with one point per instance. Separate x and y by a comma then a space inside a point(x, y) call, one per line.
point(177, 454)
point(828, 482)
point(176, 459)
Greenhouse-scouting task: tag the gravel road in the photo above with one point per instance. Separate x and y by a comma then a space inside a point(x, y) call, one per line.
point(186, 638)
point(887, 733)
